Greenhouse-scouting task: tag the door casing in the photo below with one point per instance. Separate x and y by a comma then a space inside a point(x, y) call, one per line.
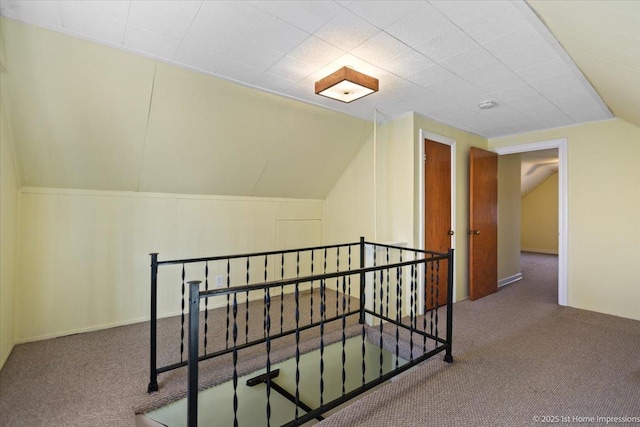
point(563, 224)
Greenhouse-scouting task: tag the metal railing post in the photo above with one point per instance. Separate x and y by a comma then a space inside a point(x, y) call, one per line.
point(448, 357)
point(362, 282)
point(153, 373)
point(192, 379)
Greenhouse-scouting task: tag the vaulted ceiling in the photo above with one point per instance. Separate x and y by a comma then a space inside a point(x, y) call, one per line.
point(174, 107)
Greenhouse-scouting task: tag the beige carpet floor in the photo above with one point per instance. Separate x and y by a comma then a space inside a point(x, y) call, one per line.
point(519, 357)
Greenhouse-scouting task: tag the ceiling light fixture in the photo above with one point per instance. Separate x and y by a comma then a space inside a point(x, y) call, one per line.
point(346, 85)
point(485, 105)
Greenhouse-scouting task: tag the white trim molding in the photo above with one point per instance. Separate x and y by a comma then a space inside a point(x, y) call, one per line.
point(511, 279)
point(563, 223)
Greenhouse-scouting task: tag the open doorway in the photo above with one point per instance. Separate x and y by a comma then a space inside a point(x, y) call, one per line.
point(539, 217)
point(559, 145)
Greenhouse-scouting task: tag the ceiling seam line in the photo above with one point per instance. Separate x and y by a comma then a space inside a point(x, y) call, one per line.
point(146, 129)
point(188, 29)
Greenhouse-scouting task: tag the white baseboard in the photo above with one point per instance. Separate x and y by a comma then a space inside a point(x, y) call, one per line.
point(510, 279)
point(540, 251)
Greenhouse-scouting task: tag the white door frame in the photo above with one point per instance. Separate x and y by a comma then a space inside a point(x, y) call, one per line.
point(425, 134)
point(561, 145)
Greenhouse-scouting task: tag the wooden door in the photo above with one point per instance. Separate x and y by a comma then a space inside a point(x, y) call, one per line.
point(437, 212)
point(483, 223)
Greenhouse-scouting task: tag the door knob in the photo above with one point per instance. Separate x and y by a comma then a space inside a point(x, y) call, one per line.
point(450, 232)
point(474, 232)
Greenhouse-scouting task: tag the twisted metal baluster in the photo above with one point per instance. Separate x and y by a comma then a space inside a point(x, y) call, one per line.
point(235, 359)
point(311, 297)
point(433, 280)
point(322, 319)
point(324, 283)
point(281, 293)
point(437, 295)
point(363, 304)
point(337, 279)
point(344, 337)
point(226, 339)
point(398, 308)
point(182, 317)
point(412, 307)
point(380, 326)
point(388, 282)
point(264, 309)
point(267, 320)
point(349, 282)
point(206, 305)
point(425, 306)
point(246, 318)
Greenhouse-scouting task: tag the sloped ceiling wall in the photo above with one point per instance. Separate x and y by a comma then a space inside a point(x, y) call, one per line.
point(88, 116)
point(603, 39)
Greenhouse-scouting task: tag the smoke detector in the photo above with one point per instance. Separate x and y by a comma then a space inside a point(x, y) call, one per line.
point(485, 105)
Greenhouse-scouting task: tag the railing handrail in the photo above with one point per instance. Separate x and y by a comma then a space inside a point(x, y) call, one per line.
point(254, 254)
point(316, 277)
point(289, 251)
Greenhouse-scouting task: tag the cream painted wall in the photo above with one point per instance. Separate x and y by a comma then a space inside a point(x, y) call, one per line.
point(509, 217)
point(8, 239)
point(83, 255)
point(350, 203)
point(603, 213)
point(539, 232)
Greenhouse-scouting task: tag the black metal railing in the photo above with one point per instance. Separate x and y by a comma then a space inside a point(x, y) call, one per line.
point(389, 298)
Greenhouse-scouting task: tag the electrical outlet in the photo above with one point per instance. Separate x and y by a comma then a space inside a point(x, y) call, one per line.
point(219, 282)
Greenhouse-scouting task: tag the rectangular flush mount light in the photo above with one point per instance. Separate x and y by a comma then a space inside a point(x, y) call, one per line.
point(346, 85)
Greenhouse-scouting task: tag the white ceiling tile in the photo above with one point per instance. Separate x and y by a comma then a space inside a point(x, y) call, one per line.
point(256, 55)
point(507, 95)
point(316, 52)
point(446, 45)
point(230, 19)
point(552, 118)
point(212, 41)
point(531, 104)
point(272, 82)
point(170, 19)
point(467, 61)
point(431, 75)
point(306, 15)
point(150, 43)
point(44, 13)
point(346, 30)
point(559, 86)
point(492, 70)
point(196, 57)
point(276, 34)
point(292, 69)
point(521, 49)
point(506, 81)
point(408, 63)
point(98, 27)
point(115, 9)
point(459, 91)
point(496, 23)
point(461, 11)
point(383, 14)
point(237, 71)
point(380, 49)
point(422, 24)
point(544, 71)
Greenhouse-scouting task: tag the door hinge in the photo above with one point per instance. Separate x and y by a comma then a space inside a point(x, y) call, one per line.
point(425, 158)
